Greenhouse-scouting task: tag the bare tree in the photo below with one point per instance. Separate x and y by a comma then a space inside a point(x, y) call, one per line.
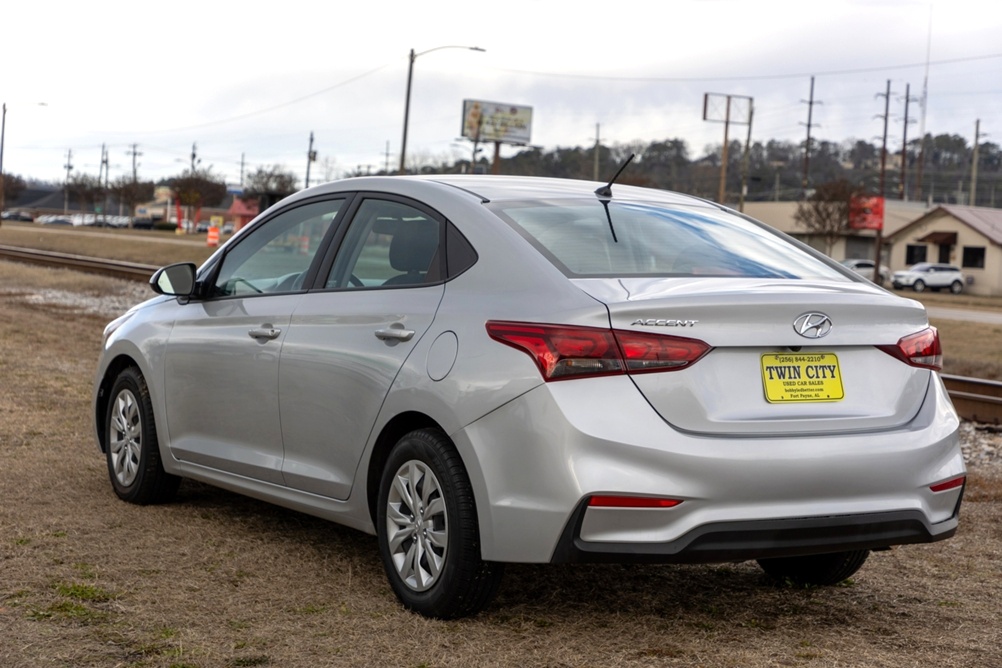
point(13, 186)
point(826, 212)
point(131, 193)
point(198, 188)
point(86, 189)
point(267, 185)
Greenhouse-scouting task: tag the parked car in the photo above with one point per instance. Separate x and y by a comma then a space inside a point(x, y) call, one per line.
point(930, 275)
point(54, 220)
point(19, 216)
point(483, 370)
point(864, 268)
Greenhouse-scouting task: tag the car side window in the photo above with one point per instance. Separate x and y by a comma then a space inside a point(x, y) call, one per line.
point(276, 256)
point(389, 244)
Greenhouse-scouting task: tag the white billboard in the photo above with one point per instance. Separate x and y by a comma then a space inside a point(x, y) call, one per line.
point(496, 122)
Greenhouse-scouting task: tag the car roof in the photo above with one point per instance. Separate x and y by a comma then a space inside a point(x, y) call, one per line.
point(493, 188)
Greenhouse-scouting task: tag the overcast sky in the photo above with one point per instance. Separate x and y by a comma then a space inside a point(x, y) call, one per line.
point(251, 80)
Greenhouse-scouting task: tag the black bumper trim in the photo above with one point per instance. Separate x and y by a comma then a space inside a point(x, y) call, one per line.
point(757, 539)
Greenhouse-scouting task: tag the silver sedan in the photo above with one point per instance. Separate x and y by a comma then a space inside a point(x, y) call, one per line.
point(483, 370)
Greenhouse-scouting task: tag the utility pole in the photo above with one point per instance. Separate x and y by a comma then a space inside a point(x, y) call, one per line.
point(925, 97)
point(722, 190)
point(598, 144)
point(66, 187)
point(744, 158)
point(883, 148)
point(974, 163)
point(810, 102)
point(242, 163)
point(3, 131)
point(883, 166)
point(193, 154)
point(386, 159)
point(311, 156)
point(135, 154)
point(103, 169)
point(710, 113)
point(903, 187)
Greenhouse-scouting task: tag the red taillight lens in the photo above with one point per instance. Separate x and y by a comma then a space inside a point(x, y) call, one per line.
point(953, 483)
point(653, 352)
point(632, 502)
point(921, 349)
point(563, 352)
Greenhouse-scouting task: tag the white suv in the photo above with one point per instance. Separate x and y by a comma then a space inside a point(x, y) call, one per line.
point(924, 275)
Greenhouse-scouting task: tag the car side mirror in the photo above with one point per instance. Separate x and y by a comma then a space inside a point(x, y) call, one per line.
point(175, 280)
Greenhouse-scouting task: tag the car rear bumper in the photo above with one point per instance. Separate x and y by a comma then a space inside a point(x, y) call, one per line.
point(536, 461)
point(757, 539)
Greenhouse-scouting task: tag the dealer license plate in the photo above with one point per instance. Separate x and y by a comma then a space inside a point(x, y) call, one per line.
point(801, 378)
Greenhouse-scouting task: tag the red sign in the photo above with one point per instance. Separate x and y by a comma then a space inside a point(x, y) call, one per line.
point(866, 213)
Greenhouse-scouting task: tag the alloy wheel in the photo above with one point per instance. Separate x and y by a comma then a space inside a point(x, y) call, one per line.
point(125, 438)
point(417, 525)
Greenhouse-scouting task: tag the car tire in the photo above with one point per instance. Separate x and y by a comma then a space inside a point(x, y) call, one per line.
point(133, 451)
point(815, 569)
point(918, 286)
point(429, 538)
point(956, 287)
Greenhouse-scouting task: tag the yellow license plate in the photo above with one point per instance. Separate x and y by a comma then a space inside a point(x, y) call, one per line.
point(801, 377)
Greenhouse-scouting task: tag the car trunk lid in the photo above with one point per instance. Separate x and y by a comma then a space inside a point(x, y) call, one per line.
point(766, 373)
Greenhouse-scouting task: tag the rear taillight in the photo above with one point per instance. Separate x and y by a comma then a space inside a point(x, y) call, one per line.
point(608, 501)
point(953, 483)
point(563, 352)
point(921, 349)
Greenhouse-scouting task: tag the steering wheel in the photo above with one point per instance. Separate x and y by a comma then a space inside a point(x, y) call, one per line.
point(235, 281)
point(355, 281)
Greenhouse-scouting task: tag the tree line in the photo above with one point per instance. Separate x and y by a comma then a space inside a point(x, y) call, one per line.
point(937, 168)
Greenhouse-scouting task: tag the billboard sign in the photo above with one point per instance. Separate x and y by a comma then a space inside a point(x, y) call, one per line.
point(496, 122)
point(866, 213)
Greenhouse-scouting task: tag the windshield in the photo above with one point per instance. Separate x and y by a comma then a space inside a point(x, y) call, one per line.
point(592, 239)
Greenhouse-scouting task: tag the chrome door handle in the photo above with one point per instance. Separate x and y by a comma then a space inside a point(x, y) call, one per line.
point(394, 334)
point(265, 333)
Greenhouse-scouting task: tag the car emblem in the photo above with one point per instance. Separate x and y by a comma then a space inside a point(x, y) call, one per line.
point(812, 325)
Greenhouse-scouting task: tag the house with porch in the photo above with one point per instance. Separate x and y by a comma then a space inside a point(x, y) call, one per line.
point(969, 237)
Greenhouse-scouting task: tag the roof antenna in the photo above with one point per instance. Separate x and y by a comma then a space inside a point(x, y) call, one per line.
point(606, 190)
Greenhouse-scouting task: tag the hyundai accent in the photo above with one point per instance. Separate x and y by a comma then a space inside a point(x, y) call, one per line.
point(485, 370)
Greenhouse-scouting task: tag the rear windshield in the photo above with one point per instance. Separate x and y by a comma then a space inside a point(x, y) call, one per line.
point(590, 239)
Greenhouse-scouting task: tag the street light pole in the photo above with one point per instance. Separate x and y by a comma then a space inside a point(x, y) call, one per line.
point(407, 100)
point(3, 131)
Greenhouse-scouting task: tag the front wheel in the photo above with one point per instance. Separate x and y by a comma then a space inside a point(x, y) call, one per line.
point(133, 452)
point(815, 569)
point(429, 539)
point(918, 286)
point(956, 287)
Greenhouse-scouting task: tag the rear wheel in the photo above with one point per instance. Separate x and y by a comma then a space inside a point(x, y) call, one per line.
point(956, 287)
point(918, 286)
point(429, 539)
point(133, 452)
point(815, 569)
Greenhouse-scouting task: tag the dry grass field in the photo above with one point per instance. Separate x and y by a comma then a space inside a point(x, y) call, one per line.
point(217, 580)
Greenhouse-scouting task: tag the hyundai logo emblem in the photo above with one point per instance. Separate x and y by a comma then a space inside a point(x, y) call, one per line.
point(812, 325)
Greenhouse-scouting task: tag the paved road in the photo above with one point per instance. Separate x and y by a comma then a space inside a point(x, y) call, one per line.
point(967, 315)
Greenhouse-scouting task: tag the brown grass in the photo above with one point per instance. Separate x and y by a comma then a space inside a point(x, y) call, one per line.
point(218, 580)
point(971, 349)
point(145, 246)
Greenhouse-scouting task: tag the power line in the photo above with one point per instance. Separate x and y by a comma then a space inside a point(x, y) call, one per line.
point(754, 77)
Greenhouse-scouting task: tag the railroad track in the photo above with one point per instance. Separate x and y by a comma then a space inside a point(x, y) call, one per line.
point(133, 271)
point(975, 399)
